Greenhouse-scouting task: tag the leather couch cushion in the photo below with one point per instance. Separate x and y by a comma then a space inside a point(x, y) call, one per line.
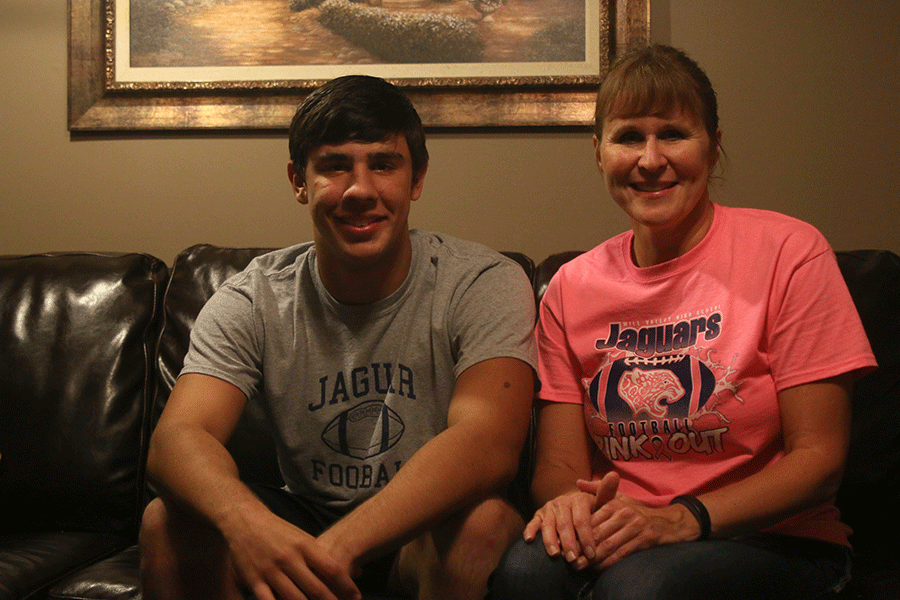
point(32, 561)
point(870, 493)
point(116, 578)
point(76, 334)
point(77, 337)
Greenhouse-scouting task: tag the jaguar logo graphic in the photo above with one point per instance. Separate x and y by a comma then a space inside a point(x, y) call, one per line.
point(659, 387)
point(650, 391)
point(652, 408)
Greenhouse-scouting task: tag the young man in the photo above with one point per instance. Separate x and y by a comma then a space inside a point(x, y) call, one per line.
point(400, 359)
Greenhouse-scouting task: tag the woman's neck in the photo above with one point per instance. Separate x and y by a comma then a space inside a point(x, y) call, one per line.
point(654, 246)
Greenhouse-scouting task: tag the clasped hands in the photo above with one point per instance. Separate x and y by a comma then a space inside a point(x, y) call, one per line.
point(274, 559)
point(596, 526)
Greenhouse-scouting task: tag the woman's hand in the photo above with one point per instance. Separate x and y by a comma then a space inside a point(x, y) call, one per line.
point(566, 522)
point(622, 525)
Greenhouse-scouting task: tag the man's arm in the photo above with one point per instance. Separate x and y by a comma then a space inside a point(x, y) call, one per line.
point(190, 465)
point(479, 451)
point(187, 457)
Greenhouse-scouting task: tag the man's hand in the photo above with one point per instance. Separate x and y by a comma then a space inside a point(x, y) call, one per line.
point(275, 559)
point(334, 544)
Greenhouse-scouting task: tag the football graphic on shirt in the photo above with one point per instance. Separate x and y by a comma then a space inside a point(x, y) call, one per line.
point(659, 387)
point(364, 431)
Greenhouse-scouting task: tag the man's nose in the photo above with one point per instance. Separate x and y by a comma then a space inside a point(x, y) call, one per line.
point(362, 183)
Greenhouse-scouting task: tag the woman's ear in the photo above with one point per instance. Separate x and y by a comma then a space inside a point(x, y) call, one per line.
point(297, 184)
point(716, 150)
point(597, 152)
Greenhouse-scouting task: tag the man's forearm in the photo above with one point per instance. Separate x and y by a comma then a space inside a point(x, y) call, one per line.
point(194, 470)
point(187, 458)
point(449, 473)
point(474, 457)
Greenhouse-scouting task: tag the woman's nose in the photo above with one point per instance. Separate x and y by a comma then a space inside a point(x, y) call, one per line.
point(652, 158)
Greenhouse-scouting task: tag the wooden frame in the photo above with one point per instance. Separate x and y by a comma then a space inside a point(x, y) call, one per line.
point(97, 102)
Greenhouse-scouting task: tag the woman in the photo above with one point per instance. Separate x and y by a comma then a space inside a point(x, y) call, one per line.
point(694, 415)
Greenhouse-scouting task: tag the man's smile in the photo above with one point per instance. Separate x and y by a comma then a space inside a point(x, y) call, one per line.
point(360, 224)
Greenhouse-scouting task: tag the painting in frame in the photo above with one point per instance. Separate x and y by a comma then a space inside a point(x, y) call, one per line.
point(172, 65)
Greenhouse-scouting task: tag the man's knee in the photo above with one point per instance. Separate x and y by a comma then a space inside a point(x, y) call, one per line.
point(480, 535)
point(181, 556)
point(153, 533)
point(158, 563)
point(494, 521)
point(455, 558)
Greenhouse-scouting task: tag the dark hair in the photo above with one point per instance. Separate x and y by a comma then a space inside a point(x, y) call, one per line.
point(653, 80)
point(358, 108)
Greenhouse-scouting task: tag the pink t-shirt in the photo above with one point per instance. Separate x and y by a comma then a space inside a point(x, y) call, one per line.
point(678, 365)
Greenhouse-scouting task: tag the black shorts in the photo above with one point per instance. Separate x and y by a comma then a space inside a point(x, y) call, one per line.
point(302, 514)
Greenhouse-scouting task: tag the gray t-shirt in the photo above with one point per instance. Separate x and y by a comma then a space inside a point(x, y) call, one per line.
point(354, 391)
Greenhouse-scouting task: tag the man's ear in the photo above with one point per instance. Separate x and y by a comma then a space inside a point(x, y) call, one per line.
point(417, 183)
point(298, 184)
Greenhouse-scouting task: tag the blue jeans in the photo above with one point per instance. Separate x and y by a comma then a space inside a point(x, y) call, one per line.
point(757, 567)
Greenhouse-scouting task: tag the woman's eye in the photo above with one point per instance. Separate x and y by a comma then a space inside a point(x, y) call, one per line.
point(629, 137)
point(671, 134)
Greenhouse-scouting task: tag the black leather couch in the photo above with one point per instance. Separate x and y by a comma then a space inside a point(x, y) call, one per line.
point(90, 345)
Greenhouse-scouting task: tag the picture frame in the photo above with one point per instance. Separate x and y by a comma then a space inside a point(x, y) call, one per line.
point(106, 96)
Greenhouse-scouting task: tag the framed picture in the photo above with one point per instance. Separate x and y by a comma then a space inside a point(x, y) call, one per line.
point(170, 65)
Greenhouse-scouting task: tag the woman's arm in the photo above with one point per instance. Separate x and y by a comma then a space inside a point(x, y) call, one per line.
point(563, 458)
point(815, 422)
point(564, 450)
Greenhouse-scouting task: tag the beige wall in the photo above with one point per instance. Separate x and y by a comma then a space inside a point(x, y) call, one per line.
point(809, 96)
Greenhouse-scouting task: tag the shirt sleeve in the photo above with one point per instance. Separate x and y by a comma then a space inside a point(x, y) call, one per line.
point(558, 368)
point(224, 342)
point(815, 330)
point(494, 317)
